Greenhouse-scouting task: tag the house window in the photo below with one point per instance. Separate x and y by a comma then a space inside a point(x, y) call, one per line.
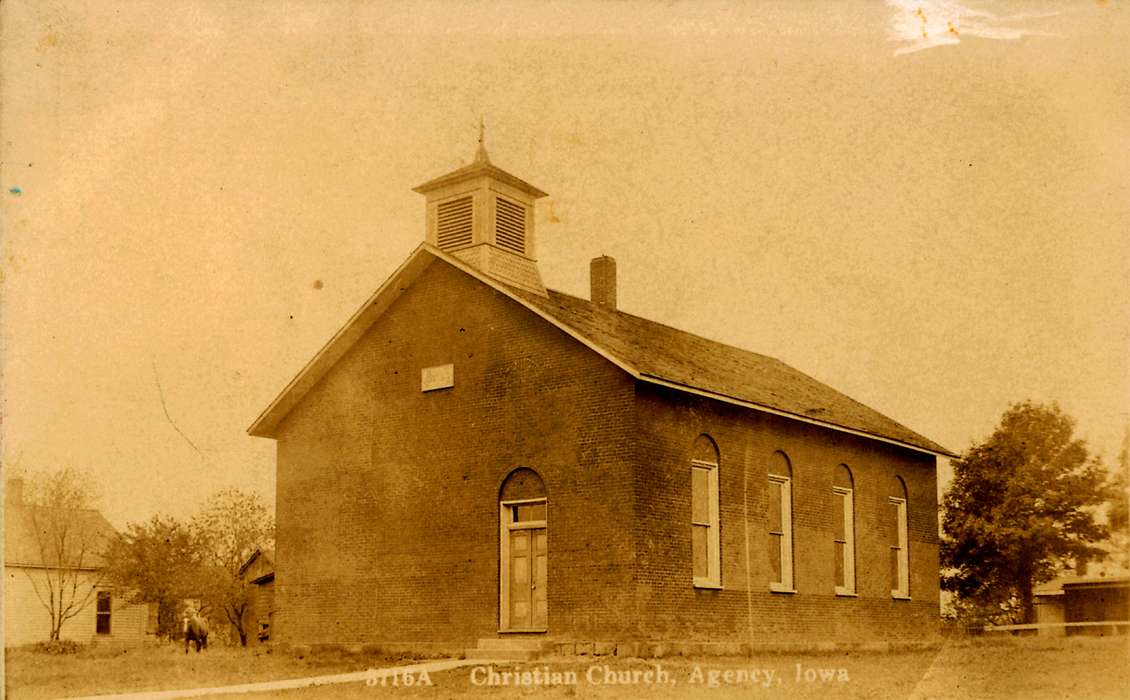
point(900, 546)
point(780, 525)
point(843, 526)
point(102, 613)
point(705, 539)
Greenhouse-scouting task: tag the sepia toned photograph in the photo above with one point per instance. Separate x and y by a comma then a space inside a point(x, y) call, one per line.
point(599, 349)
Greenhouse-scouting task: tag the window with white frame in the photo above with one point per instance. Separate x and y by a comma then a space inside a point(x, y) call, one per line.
point(780, 526)
point(844, 541)
point(900, 546)
point(843, 532)
point(706, 549)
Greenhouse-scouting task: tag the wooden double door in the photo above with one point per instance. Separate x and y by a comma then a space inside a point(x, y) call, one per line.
point(525, 563)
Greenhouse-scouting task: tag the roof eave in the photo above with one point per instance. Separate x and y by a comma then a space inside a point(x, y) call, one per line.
point(339, 344)
point(250, 560)
point(52, 567)
point(660, 381)
point(1097, 582)
point(374, 306)
point(477, 170)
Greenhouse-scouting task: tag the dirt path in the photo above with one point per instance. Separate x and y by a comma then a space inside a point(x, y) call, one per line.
point(290, 683)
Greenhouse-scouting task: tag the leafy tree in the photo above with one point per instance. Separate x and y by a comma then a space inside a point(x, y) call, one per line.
point(1021, 507)
point(232, 525)
point(159, 562)
point(1119, 512)
point(70, 537)
point(1118, 508)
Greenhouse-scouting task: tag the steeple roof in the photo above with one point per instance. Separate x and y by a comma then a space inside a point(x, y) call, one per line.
point(480, 167)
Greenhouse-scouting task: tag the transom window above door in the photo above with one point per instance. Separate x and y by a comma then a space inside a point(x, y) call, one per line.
point(527, 512)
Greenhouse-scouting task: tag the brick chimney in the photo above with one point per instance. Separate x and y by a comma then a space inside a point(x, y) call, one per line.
point(602, 281)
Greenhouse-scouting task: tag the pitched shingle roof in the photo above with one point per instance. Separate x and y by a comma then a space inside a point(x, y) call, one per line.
point(265, 558)
point(662, 352)
point(648, 350)
point(86, 532)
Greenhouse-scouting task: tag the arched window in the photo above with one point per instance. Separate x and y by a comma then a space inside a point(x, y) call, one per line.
point(706, 547)
point(522, 484)
point(780, 523)
point(900, 541)
point(843, 528)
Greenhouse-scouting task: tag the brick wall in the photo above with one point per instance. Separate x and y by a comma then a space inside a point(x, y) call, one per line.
point(387, 502)
point(745, 609)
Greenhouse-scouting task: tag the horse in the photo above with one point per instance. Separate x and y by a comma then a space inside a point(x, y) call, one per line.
point(195, 630)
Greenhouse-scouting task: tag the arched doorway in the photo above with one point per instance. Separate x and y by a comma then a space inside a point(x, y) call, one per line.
point(523, 553)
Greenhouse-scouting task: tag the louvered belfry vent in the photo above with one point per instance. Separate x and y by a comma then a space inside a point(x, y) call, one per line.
point(453, 223)
point(510, 226)
point(483, 217)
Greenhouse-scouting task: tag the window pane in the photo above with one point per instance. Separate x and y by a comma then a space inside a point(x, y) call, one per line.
point(526, 513)
point(774, 506)
point(895, 569)
point(699, 535)
point(775, 557)
point(893, 527)
point(839, 555)
point(102, 614)
point(700, 501)
point(838, 515)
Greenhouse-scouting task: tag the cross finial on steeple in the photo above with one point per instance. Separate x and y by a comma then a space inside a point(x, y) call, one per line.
point(481, 155)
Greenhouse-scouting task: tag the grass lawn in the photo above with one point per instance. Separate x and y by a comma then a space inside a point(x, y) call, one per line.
point(988, 668)
point(105, 669)
point(1075, 667)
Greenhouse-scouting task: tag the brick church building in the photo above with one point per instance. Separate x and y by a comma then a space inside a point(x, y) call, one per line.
point(475, 455)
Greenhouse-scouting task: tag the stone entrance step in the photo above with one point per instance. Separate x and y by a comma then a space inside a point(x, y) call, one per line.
point(509, 648)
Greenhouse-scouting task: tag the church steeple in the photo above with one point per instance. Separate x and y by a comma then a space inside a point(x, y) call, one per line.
point(484, 216)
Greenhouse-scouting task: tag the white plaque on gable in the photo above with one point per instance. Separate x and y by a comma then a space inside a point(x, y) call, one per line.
point(438, 377)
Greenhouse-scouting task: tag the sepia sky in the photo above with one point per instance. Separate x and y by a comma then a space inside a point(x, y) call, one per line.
point(197, 195)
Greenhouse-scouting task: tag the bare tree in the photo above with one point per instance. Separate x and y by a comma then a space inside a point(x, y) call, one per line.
point(230, 527)
point(69, 536)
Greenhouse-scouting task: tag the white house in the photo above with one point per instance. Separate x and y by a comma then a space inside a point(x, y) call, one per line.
point(54, 557)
